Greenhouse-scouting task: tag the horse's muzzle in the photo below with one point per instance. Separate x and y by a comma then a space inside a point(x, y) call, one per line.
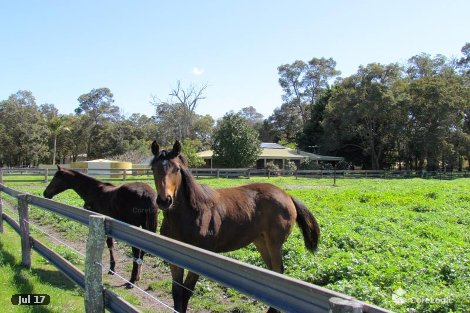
point(164, 204)
point(47, 195)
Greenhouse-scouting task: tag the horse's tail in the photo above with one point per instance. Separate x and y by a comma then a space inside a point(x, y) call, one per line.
point(308, 224)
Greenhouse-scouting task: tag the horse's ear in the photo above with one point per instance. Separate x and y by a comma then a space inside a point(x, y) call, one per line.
point(155, 148)
point(59, 168)
point(176, 148)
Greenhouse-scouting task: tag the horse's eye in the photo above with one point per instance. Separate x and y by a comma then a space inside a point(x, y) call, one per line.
point(177, 169)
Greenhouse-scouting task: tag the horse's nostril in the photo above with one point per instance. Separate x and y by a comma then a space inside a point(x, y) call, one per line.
point(169, 200)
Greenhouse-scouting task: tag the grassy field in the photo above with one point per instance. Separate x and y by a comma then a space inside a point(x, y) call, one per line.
point(42, 278)
point(400, 244)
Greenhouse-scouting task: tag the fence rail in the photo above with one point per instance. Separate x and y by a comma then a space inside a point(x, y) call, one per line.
point(43, 175)
point(280, 291)
point(112, 301)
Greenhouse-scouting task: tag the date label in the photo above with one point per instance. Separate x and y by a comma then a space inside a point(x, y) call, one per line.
point(30, 299)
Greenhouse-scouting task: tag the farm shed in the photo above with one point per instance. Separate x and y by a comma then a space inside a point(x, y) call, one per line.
point(102, 167)
point(276, 153)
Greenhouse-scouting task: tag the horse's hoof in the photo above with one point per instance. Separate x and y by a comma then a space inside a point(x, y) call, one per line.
point(110, 272)
point(129, 286)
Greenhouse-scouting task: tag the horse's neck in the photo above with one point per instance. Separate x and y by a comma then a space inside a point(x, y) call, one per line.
point(86, 187)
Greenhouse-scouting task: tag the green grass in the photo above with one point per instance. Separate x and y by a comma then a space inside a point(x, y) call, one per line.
point(42, 278)
point(380, 238)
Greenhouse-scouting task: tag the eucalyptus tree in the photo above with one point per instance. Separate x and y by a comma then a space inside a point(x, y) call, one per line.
point(438, 99)
point(98, 109)
point(363, 112)
point(303, 83)
point(285, 124)
point(24, 133)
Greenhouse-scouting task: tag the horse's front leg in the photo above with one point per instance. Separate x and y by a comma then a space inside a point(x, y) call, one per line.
point(190, 284)
point(112, 263)
point(136, 266)
point(177, 287)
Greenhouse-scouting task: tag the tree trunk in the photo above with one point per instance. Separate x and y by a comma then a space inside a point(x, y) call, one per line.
point(55, 149)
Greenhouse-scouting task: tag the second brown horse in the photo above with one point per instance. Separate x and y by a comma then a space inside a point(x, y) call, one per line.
point(223, 220)
point(133, 203)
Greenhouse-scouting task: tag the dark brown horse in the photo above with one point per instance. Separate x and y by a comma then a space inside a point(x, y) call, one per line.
point(133, 203)
point(223, 220)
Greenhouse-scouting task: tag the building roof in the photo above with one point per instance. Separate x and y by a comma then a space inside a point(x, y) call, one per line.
point(271, 145)
point(270, 150)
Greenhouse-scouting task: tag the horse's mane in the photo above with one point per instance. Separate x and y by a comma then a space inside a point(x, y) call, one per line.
point(199, 196)
point(82, 176)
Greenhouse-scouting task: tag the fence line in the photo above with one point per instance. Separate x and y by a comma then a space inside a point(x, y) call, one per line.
point(136, 174)
point(112, 301)
point(276, 290)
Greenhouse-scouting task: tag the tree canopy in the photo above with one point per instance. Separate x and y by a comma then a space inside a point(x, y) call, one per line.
point(414, 115)
point(236, 143)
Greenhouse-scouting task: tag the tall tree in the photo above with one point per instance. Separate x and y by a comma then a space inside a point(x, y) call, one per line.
point(24, 133)
point(202, 130)
point(236, 143)
point(97, 106)
point(464, 62)
point(285, 123)
point(310, 138)
point(303, 83)
point(56, 126)
point(178, 112)
point(252, 116)
point(361, 107)
point(437, 102)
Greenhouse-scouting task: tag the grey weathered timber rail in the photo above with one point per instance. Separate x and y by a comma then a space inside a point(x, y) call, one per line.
point(112, 301)
point(277, 290)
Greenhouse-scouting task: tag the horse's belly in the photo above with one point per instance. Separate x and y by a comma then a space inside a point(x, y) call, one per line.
point(234, 239)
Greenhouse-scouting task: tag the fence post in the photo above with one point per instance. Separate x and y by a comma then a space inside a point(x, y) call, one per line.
point(1, 201)
point(339, 305)
point(248, 173)
point(23, 216)
point(46, 175)
point(94, 300)
point(124, 175)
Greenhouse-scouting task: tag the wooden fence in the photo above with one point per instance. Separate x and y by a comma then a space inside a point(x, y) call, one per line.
point(279, 291)
point(23, 174)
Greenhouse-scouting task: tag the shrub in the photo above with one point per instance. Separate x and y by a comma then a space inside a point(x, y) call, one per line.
point(273, 168)
point(290, 168)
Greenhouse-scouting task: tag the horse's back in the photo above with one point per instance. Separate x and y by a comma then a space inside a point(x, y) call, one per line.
point(135, 203)
point(259, 192)
point(256, 208)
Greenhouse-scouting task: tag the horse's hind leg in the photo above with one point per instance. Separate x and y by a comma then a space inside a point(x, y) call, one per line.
point(136, 264)
point(275, 251)
point(189, 283)
point(274, 248)
point(112, 263)
point(260, 245)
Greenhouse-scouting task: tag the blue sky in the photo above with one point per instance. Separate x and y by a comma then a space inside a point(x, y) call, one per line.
point(62, 49)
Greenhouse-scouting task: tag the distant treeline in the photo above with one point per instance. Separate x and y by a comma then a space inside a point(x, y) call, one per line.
point(412, 116)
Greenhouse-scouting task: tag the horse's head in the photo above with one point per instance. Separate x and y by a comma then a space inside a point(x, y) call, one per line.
point(167, 167)
point(58, 184)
